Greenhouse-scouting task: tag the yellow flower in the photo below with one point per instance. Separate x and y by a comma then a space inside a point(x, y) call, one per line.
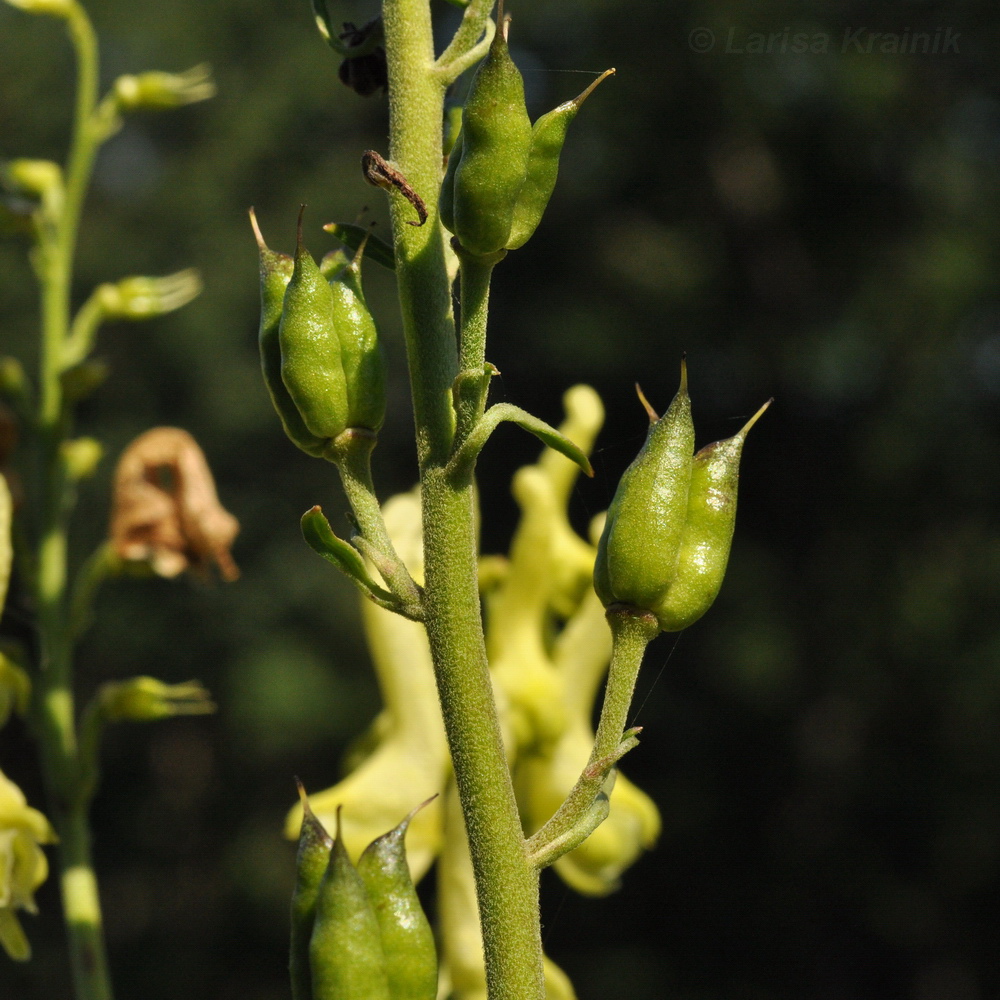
point(23, 866)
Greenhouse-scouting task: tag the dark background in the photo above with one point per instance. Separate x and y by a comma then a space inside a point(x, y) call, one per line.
point(821, 227)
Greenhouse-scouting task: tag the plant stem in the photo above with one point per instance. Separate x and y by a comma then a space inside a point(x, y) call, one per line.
point(631, 631)
point(54, 703)
point(473, 383)
point(506, 884)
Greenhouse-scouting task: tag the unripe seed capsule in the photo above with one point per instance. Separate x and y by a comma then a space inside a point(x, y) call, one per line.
point(345, 951)
point(495, 145)
point(407, 938)
point(275, 274)
point(311, 367)
point(310, 865)
point(670, 526)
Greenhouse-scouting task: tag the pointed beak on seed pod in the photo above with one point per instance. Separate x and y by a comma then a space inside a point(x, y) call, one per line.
point(669, 530)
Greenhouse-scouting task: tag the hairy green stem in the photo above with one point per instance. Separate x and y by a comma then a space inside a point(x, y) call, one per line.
point(472, 387)
point(352, 452)
point(506, 883)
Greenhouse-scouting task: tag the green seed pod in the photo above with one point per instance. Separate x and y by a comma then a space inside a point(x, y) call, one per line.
point(495, 145)
point(345, 951)
point(364, 368)
point(670, 527)
point(275, 274)
point(548, 135)
point(407, 939)
point(708, 532)
point(311, 367)
point(310, 865)
point(637, 553)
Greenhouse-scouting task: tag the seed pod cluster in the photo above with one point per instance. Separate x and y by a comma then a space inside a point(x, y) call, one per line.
point(502, 170)
point(319, 347)
point(670, 526)
point(358, 933)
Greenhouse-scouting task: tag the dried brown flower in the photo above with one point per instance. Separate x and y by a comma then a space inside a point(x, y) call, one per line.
point(165, 510)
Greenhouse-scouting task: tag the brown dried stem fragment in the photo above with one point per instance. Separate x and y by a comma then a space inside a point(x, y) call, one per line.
point(380, 173)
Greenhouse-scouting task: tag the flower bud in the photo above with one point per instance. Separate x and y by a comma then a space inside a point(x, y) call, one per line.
point(81, 457)
point(666, 541)
point(144, 298)
point(40, 179)
point(145, 699)
point(159, 91)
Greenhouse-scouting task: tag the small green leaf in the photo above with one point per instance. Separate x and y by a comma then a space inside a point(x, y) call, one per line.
point(320, 538)
point(353, 236)
point(327, 28)
point(464, 460)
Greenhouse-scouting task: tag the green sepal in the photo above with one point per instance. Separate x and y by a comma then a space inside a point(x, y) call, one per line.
point(708, 531)
point(360, 351)
point(321, 539)
point(407, 938)
point(353, 237)
point(548, 136)
point(463, 461)
point(311, 861)
point(275, 274)
point(452, 128)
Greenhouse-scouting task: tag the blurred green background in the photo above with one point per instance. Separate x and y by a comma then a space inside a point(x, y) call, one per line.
point(820, 226)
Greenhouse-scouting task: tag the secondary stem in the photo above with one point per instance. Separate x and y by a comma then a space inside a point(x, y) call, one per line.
point(506, 884)
point(54, 705)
